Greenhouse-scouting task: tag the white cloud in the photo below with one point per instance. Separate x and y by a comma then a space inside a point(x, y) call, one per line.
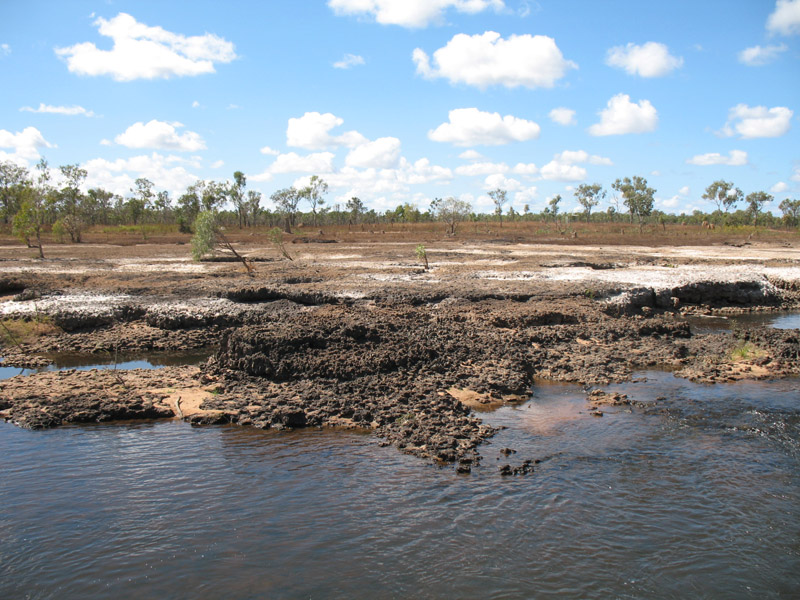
point(795, 174)
point(59, 110)
point(649, 60)
point(143, 52)
point(118, 176)
point(672, 202)
point(622, 116)
point(498, 180)
point(319, 162)
point(160, 135)
point(218, 164)
point(565, 165)
point(488, 59)
point(758, 56)
point(563, 116)
point(482, 168)
point(735, 158)
point(757, 121)
point(383, 153)
point(410, 13)
point(25, 145)
point(529, 169)
point(470, 155)
point(269, 151)
point(5, 49)
point(779, 188)
point(472, 127)
point(312, 132)
point(195, 104)
point(684, 191)
point(785, 19)
point(349, 61)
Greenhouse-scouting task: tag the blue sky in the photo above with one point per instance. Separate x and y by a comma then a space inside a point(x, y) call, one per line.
point(399, 101)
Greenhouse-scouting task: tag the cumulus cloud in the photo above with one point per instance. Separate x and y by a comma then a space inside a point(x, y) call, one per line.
point(24, 145)
point(482, 168)
point(291, 162)
point(648, 60)
point(410, 13)
point(684, 191)
point(5, 49)
point(349, 61)
point(779, 188)
point(269, 151)
point(563, 116)
point(758, 56)
point(565, 165)
point(312, 132)
point(383, 153)
point(59, 110)
point(160, 135)
point(470, 155)
point(735, 158)
point(143, 52)
point(757, 121)
point(472, 127)
point(785, 19)
point(483, 60)
point(622, 116)
point(795, 174)
point(118, 176)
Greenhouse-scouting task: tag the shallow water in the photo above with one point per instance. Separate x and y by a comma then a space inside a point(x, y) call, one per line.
point(716, 324)
point(643, 502)
point(87, 362)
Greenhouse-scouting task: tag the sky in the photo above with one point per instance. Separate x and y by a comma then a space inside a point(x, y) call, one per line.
point(397, 101)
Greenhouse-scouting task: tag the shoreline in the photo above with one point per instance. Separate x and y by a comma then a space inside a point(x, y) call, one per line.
point(413, 355)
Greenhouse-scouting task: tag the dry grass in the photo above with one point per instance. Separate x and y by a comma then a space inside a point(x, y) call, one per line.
point(18, 331)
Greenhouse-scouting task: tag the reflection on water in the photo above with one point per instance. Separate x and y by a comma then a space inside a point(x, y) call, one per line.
point(719, 324)
point(639, 503)
point(86, 362)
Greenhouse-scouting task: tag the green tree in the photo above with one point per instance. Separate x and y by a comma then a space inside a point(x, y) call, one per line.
point(314, 193)
point(238, 198)
point(636, 196)
point(286, 201)
point(30, 217)
point(13, 180)
point(723, 194)
point(791, 211)
point(499, 197)
point(451, 211)
point(355, 207)
point(208, 237)
point(72, 201)
point(589, 196)
point(252, 207)
point(756, 202)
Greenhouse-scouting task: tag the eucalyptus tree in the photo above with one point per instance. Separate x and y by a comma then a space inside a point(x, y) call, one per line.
point(72, 205)
point(355, 207)
point(13, 180)
point(791, 211)
point(723, 194)
point(252, 207)
point(314, 193)
point(637, 196)
point(451, 211)
point(499, 197)
point(286, 201)
point(756, 202)
point(589, 196)
point(30, 217)
point(237, 196)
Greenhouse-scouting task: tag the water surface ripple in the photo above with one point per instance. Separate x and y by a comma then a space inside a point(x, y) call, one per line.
point(646, 503)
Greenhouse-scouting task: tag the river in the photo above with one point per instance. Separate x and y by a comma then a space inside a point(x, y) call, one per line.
point(693, 493)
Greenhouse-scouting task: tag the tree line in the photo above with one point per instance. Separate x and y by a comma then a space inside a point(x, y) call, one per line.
point(32, 203)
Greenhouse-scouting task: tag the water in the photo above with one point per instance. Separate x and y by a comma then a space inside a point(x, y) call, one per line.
point(86, 362)
point(643, 502)
point(716, 324)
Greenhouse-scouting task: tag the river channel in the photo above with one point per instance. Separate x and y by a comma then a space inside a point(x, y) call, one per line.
point(692, 492)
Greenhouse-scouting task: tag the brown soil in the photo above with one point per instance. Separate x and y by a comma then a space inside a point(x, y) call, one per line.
point(358, 335)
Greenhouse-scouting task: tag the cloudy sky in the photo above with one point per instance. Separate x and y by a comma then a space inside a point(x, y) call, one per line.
point(405, 100)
